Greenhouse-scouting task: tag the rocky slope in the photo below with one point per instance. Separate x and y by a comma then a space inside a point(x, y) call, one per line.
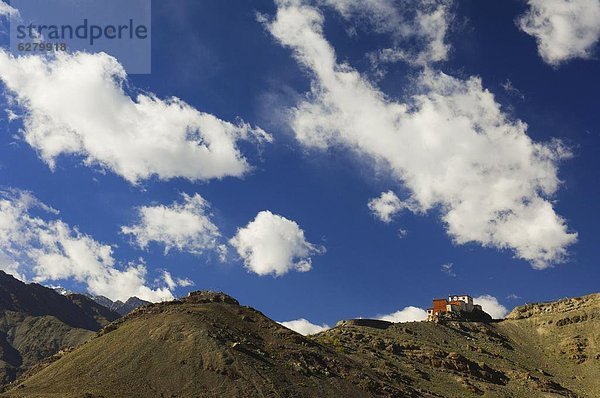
point(208, 346)
point(204, 345)
point(36, 322)
point(540, 350)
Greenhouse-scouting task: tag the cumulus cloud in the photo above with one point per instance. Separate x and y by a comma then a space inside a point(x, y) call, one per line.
point(387, 205)
point(76, 104)
point(491, 305)
point(304, 327)
point(564, 29)
point(185, 226)
point(50, 250)
point(450, 145)
point(418, 29)
point(408, 314)
point(272, 244)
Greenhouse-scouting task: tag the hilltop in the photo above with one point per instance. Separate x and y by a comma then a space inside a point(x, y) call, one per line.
point(541, 350)
point(208, 345)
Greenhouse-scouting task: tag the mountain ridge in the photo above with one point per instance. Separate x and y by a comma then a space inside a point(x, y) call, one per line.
point(123, 308)
point(208, 345)
point(36, 322)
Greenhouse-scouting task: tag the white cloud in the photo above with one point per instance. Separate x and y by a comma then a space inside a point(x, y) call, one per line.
point(304, 327)
point(50, 250)
point(10, 266)
point(451, 145)
point(491, 305)
point(564, 29)
point(418, 29)
point(173, 283)
point(7, 10)
point(183, 226)
point(76, 104)
point(272, 244)
point(387, 205)
point(184, 282)
point(408, 314)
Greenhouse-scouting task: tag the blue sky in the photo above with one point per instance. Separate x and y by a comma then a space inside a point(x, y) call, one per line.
point(226, 59)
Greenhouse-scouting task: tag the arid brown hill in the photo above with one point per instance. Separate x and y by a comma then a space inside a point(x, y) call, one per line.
point(207, 345)
point(36, 322)
point(540, 350)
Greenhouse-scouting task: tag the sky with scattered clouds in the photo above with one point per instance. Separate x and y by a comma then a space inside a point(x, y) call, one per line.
point(316, 159)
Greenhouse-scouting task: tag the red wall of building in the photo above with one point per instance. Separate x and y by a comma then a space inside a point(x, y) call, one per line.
point(439, 305)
